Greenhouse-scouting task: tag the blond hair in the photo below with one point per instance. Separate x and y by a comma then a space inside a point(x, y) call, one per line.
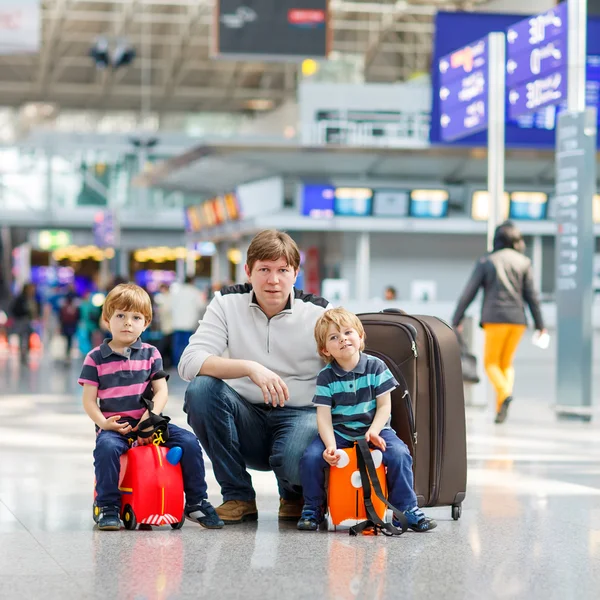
point(271, 244)
point(340, 318)
point(129, 297)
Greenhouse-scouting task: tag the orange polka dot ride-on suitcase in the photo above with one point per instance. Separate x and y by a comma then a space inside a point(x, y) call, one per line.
point(362, 508)
point(151, 487)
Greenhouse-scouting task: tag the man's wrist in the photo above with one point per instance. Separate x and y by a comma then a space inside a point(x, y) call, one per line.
point(247, 366)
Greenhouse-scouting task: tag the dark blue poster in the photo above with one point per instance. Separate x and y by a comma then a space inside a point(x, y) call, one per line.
point(454, 30)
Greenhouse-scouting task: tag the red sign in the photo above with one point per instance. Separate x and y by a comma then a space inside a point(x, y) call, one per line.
point(306, 17)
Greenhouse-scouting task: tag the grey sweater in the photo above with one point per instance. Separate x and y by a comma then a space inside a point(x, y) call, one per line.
point(507, 281)
point(285, 344)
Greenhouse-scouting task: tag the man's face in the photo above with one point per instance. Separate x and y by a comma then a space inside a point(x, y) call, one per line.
point(272, 282)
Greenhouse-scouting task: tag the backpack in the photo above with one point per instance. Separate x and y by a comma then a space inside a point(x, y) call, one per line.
point(69, 314)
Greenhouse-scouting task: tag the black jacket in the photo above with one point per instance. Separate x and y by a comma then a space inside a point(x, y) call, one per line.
point(507, 281)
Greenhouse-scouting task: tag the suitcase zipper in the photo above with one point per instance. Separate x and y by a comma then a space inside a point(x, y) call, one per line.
point(438, 388)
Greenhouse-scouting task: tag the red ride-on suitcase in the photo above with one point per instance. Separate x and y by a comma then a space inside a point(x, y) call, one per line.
point(151, 487)
point(428, 409)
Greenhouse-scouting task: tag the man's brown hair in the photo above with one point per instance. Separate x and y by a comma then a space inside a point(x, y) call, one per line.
point(340, 317)
point(271, 244)
point(129, 297)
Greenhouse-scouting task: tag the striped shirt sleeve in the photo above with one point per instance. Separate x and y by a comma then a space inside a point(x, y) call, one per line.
point(89, 372)
point(156, 367)
point(322, 395)
point(384, 380)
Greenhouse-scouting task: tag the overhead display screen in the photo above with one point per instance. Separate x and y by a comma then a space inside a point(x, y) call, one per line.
point(318, 200)
point(391, 203)
point(480, 205)
point(530, 206)
point(353, 202)
point(428, 204)
point(271, 29)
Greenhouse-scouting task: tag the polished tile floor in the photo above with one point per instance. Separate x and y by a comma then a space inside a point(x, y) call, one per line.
point(530, 526)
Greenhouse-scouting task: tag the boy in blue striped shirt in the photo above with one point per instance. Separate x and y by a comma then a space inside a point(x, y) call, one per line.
point(353, 400)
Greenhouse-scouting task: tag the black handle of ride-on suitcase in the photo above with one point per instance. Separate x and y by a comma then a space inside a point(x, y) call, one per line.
point(395, 311)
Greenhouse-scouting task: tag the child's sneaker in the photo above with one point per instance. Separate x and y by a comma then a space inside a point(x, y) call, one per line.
point(204, 514)
point(417, 521)
point(311, 518)
point(108, 518)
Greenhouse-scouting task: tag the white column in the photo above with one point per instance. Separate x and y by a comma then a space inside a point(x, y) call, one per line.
point(577, 44)
point(537, 256)
point(220, 264)
point(363, 266)
point(496, 85)
point(180, 270)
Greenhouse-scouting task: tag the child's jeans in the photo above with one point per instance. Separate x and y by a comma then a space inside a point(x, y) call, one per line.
point(396, 458)
point(107, 455)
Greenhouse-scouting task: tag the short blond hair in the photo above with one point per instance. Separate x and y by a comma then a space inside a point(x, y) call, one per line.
point(271, 244)
point(130, 297)
point(340, 317)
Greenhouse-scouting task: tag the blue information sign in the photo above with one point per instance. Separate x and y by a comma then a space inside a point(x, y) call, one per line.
point(536, 65)
point(534, 31)
point(548, 57)
point(550, 89)
point(463, 91)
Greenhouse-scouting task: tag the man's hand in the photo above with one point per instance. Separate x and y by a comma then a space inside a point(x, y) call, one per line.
point(274, 389)
point(375, 439)
point(112, 424)
point(329, 454)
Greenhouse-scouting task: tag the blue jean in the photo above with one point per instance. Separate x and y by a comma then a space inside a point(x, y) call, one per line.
point(237, 435)
point(396, 458)
point(110, 445)
point(180, 341)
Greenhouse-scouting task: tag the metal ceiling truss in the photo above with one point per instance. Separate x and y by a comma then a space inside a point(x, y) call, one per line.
point(173, 64)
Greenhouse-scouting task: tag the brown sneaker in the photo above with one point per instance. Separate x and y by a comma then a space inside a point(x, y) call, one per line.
point(237, 511)
point(290, 510)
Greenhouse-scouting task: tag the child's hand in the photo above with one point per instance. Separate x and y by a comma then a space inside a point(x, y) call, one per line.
point(375, 439)
point(329, 454)
point(143, 441)
point(112, 424)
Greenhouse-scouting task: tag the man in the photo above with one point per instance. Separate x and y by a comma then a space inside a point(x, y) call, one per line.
point(254, 408)
point(187, 305)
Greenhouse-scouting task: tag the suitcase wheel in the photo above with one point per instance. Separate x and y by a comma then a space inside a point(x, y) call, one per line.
point(456, 511)
point(180, 524)
point(129, 518)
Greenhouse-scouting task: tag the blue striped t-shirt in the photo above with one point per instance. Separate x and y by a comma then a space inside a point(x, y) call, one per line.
point(352, 395)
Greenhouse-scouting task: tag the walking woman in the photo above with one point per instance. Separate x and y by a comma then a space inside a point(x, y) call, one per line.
point(506, 277)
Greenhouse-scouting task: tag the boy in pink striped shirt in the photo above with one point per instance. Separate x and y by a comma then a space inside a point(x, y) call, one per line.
point(114, 377)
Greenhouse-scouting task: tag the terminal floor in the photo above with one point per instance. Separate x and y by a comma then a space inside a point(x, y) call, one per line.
point(530, 526)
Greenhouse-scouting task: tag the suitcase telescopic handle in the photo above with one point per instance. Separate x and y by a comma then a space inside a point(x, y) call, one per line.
point(396, 311)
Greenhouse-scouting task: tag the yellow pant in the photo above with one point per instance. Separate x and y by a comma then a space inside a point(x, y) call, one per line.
point(501, 341)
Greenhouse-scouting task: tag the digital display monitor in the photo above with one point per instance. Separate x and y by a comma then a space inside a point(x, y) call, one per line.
point(429, 204)
point(391, 203)
point(353, 202)
point(530, 206)
point(318, 200)
point(480, 206)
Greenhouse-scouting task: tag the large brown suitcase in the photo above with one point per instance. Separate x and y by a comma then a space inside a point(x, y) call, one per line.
point(428, 409)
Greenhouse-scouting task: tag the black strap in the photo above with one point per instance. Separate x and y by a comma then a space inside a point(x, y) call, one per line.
point(157, 425)
point(368, 476)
